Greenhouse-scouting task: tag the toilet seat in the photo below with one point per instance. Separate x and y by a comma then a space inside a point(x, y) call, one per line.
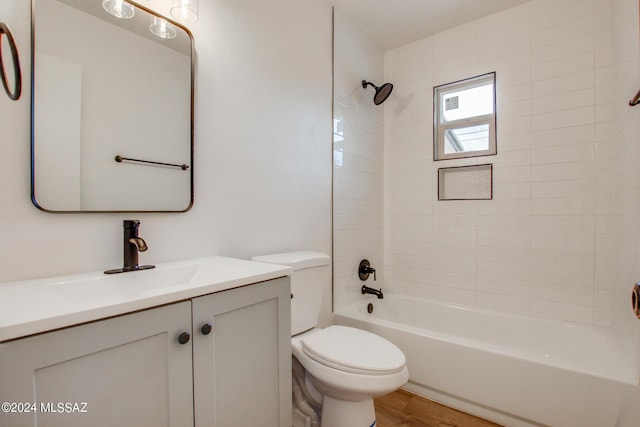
point(353, 350)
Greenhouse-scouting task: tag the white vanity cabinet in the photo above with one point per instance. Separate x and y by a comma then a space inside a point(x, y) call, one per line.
point(242, 369)
point(139, 370)
point(130, 370)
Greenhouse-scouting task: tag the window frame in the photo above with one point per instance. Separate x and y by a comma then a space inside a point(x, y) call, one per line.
point(440, 127)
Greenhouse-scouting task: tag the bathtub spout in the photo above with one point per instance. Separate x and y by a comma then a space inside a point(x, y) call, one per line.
point(376, 292)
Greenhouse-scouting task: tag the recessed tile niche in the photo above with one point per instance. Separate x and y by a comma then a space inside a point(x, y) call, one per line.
point(466, 183)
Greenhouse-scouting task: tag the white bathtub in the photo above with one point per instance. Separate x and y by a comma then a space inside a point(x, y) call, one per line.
point(514, 370)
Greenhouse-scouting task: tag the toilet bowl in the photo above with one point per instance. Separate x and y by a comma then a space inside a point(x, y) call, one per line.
point(344, 368)
point(349, 367)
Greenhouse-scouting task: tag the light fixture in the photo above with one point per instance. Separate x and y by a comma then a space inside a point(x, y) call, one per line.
point(185, 10)
point(119, 8)
point(161, 28)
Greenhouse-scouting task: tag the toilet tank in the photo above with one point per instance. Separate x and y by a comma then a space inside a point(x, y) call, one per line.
point(307, 285)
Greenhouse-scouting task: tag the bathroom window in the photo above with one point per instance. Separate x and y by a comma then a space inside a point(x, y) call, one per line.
point(465, 118)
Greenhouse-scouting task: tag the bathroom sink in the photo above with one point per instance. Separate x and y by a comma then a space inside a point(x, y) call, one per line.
point(125, 285)
point(37, 305)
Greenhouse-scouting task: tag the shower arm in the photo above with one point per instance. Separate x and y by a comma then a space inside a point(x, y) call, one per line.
point(366, 83)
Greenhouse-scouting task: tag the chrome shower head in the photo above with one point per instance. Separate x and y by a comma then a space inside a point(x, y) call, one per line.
point(382, 92)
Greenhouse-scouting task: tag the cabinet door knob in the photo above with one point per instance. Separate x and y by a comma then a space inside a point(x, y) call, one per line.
point(206, 329)
point(184, 337)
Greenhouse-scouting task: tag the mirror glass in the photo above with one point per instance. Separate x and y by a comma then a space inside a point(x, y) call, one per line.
point(108, 89)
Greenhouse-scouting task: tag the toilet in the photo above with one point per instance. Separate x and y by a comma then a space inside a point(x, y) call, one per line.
point(338, 370)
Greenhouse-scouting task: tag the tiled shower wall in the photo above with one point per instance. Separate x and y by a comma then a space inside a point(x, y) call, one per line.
point(559, 239)
point(620, 239)
point(358, 161)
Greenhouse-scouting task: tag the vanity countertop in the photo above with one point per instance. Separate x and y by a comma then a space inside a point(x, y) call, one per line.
point(30, 307)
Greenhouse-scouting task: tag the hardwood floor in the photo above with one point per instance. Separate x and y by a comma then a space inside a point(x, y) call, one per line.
point(404, 409)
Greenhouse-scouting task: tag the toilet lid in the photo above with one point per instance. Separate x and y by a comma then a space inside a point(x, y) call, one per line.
point(354, 350)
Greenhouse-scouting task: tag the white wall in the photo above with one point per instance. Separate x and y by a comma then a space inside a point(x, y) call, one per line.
point(262, 150)
point(358, 161)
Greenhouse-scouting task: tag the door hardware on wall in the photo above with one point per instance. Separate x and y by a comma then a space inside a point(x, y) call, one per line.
point(15, 91)
point(635, 100)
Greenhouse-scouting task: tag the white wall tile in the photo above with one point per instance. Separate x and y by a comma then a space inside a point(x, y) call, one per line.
point(513, 141)
point(564, 171)
point(512, 110)
point(453, 295)
point(567, 206)
point(548, 14)
point(503, 303)
point(570, 64)
point(563, 189)
point(561, 311)
point(504, 278)
point(559, 240)
point(562, 294)
point(560, 49)
point(504, 254)
point(563, 83)
point(517, 126)
point(563, 135)
point(512, 71)
point(564, 153)
point(508, 95)
point(505, 48)
point(562, 119)
point(563, 100)
point(358, 203)
point(510, 239)
point(557, 35)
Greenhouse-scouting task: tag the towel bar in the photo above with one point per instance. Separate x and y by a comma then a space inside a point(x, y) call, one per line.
point(120, 159)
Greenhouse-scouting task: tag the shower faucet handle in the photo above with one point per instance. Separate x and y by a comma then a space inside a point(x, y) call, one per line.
point(365, 269)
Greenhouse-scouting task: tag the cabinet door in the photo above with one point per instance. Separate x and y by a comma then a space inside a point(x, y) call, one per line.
point(242, 368)
point(124, 371)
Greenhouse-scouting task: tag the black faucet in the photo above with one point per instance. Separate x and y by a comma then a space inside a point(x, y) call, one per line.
point(132, 245)
point(376, 292)
point(365, 269)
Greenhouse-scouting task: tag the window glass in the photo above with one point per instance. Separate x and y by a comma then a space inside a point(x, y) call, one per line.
point(464, 122)
point(467, 103)
point(470, 138)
